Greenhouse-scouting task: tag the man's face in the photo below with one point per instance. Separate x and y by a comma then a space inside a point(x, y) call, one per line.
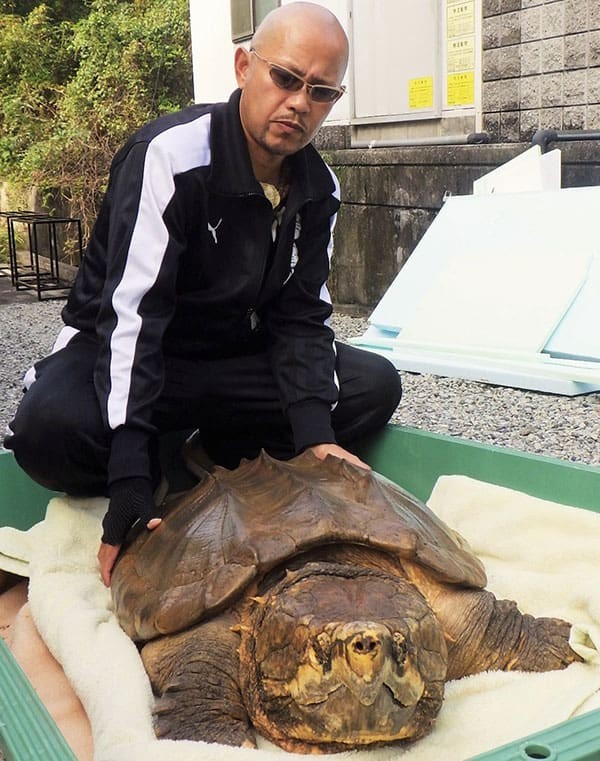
point(279, 122)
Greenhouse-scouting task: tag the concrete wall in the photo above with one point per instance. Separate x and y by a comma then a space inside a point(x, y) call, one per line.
point(541, 66)
point(391, 196)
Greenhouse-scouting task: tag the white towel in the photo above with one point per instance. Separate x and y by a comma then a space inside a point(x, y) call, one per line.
point(543, 555)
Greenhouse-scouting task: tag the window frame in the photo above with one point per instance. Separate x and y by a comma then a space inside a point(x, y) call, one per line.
point(254, 11)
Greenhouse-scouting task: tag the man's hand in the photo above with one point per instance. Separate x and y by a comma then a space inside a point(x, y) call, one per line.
point(322, 450)
point(107, 556)
point(108, 553)
point(131, 499)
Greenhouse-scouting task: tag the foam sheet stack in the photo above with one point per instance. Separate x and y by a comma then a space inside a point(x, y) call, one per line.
point(504, 287)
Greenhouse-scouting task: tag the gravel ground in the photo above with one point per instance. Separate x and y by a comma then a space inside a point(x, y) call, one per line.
point(558, 426)
point(548, 424)
point(564, 427)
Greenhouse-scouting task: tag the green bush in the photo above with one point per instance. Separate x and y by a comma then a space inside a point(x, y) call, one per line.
point(84, 86)
point(36, 60)
point(3, 245)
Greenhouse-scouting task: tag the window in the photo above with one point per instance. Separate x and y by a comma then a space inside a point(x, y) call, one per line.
point(246, 15)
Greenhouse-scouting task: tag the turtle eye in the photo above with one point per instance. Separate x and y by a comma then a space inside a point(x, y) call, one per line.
point(400, 648)
point(322, 648)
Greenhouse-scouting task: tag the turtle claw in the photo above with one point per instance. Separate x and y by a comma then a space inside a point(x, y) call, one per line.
point(173, 724)
point(548, 646)
point(164, 708)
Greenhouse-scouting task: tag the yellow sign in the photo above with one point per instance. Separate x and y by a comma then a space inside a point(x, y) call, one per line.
point(461, 18)
point(460, 53)
point(461, 89)
point(420, 92)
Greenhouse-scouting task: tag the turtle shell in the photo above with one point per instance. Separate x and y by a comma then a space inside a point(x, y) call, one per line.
point(237, 525)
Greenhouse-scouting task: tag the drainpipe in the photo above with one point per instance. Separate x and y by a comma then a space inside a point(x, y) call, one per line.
point(471, 139)
point(545, 136)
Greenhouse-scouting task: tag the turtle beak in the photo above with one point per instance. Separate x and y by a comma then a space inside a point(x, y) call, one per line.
point(365, 657)
point(365, 647)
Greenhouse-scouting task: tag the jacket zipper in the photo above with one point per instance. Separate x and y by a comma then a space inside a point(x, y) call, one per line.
point(251, 313)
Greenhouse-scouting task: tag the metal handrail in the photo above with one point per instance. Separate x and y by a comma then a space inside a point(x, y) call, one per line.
point(545, 136)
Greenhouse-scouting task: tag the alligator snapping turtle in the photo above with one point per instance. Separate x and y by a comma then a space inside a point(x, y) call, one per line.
point(316, 603)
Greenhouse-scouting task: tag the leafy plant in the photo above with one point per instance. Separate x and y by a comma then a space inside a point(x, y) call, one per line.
point(35, 61)
point(72, 91)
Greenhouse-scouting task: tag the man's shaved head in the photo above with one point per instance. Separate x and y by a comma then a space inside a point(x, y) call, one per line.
point(308, 43)
point(287, 18)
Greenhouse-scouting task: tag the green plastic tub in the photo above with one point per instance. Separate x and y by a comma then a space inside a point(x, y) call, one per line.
point(414, 459)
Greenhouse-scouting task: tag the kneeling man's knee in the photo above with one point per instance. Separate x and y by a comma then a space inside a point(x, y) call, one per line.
point(386, 385)
point(57, 447)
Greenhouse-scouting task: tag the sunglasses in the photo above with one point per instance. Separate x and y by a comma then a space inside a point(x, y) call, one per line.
point(287, 80)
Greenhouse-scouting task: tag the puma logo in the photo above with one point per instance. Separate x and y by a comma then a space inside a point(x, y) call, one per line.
point(213, 230)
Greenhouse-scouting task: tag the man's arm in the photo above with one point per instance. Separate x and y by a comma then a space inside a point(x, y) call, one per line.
point(136, 241)
point(303, 349)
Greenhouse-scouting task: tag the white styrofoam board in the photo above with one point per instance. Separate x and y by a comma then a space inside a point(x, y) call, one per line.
point(510, 300)
point(563, 379)
point(530, 170)
point(551, 170)
point(578, 334)
point(561, 222)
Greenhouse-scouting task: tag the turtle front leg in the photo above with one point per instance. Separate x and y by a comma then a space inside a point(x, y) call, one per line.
point(195, 676)
point(484, 633)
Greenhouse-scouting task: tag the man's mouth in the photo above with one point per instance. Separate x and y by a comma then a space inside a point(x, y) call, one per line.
point(289, 126)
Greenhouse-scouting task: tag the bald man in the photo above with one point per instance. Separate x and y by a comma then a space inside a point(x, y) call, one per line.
point(201, 301)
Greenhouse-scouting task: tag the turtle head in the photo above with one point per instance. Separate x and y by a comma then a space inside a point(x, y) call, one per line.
point(335, 657)
point(365, 657)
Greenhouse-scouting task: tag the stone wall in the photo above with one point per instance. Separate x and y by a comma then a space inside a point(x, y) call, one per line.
point(391, 196)
point(541, 67)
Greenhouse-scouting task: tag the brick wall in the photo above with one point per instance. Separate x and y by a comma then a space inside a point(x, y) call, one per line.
point(541, 66)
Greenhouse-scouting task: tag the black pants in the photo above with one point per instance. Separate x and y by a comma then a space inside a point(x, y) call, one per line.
point(59, 439)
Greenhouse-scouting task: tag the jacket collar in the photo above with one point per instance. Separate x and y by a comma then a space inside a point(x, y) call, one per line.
point(231, 169)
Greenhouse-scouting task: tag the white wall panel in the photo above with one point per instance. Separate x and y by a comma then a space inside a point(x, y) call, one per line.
point(397, 68)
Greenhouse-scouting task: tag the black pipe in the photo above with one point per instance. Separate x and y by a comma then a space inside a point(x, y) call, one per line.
point(478, 138)
point(545, 136)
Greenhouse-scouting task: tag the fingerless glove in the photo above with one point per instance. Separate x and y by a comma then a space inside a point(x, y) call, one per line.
point(131, 499)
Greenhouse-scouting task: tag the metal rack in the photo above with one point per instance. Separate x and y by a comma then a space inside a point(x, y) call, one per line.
point(40, 268)
point(11, 269)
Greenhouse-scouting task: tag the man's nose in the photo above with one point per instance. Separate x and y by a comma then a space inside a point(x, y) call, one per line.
point(299, 100)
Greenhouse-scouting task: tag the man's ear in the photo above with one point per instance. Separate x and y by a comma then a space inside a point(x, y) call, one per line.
point(241, 64)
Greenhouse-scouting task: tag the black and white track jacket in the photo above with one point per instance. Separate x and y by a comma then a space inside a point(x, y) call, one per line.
point(178, 265)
